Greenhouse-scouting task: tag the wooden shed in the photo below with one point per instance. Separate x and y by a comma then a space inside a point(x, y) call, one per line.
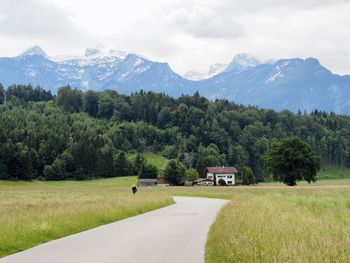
point(204, 182)
point(162, 182)
point(147, 182)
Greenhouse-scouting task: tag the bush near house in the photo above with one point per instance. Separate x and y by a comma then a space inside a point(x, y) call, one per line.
point(191, 175)
point(222, 182)
point(174, 172)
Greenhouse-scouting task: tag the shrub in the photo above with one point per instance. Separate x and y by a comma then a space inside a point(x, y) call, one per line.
point(174, 172)
point(247, 176)
point(222, 182)
point(191, 175)
point(148, 171)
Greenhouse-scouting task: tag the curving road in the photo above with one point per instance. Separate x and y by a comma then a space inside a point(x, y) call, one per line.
point(174, 234)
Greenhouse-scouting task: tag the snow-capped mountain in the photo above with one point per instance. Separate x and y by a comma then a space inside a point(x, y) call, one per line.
point(242, 62)
point(212, 71)
point(35, 50)
point(294, 84)
point(239, 63)
point(97, 69)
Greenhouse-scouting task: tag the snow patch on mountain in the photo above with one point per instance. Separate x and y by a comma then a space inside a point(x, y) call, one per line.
point(212, 71)
point(96, 55)
point(277, 75)
point(242, 62)
point(33, 51)
point(278, 71)
point(216, 69)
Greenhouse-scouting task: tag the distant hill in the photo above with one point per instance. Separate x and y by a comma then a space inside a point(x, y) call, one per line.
point(294, 84)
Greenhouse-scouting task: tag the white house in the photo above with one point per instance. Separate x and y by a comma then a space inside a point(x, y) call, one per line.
point(226, 173)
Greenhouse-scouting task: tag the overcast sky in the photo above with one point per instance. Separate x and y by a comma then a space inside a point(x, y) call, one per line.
point(189, 34)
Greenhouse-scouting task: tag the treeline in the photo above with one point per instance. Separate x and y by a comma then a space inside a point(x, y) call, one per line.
point(89, 134)
point(24, 93)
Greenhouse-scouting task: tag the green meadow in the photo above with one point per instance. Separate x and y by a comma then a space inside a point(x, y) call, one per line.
point(157, 160)
point(32, 213)
point(281, 224)
point(329, 171)
point(265, 223)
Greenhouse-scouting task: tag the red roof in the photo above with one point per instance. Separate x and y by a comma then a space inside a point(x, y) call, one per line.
point(222, 170)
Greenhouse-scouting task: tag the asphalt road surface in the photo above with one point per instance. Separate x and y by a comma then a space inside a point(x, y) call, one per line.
point(174, 234)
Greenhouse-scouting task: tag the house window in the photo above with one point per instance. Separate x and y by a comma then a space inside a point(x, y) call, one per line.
point(210, 176)
point(229, 182)
point(229, 176)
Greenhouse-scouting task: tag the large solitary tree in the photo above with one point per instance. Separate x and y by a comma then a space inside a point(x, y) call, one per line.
point(291, 160)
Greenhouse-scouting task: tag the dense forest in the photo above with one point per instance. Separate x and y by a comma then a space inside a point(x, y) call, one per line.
point(80, 135)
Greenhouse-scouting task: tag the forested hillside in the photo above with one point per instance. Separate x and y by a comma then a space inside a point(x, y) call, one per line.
point(79, 135)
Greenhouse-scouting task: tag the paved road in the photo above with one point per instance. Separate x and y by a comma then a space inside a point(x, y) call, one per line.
point(174, 234)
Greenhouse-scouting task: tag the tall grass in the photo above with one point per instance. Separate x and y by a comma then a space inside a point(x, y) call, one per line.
point(265, 223)
point(34, 213)
point(302, 224)
point(331, 171)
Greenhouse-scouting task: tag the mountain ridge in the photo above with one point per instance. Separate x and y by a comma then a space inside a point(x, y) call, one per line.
point(294, 84)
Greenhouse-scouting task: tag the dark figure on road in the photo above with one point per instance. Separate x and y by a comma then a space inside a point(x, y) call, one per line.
point(134, 189)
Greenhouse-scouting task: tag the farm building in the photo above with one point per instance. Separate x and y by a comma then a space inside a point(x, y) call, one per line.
point(162, 182)
point(204, 182)
point(226, 173)
point(147, 182)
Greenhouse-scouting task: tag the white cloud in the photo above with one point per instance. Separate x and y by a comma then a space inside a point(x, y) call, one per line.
point(35, 19)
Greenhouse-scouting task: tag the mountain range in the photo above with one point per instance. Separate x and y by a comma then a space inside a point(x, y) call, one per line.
point(293, 84)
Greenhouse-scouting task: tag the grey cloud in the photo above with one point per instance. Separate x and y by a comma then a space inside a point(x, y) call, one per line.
point(203, 22)
point(256, 6)
point(35, 19)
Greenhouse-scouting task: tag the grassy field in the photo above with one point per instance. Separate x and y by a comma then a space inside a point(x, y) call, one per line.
point(265, 223)
point(277, 223)
point(32, 213)
point(280, 224)
point(329, 171)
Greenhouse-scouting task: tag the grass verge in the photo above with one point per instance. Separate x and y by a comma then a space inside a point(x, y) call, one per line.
point(37, 212)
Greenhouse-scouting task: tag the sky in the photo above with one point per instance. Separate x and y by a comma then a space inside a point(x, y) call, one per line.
point(188, 34)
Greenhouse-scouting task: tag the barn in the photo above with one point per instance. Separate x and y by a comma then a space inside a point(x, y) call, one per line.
point(147, 182)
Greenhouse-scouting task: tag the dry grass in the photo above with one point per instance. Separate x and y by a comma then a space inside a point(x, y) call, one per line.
point(34, 213)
